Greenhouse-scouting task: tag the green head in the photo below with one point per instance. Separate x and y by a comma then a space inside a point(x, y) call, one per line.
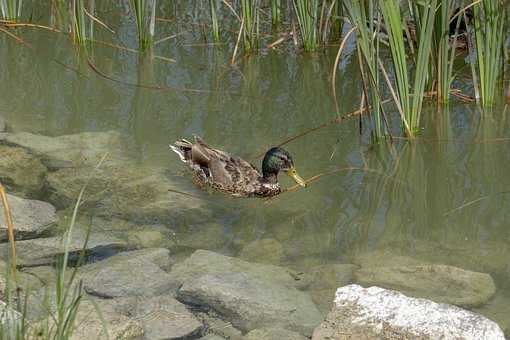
point(276, 160)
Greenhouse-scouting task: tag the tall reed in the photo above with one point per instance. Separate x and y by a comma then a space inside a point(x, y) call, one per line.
point(276, 12)
point(11, 9)
point(145, 16)
point(361, 15)
point(80, 32)
point(489, 22)
point(250, 21)
point(307, 13)
point(214, 20)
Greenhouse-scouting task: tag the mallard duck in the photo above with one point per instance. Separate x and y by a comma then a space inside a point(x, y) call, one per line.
point(234, 175)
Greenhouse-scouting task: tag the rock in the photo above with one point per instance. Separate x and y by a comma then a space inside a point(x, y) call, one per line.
point(273, 334)
point(498, 310)
point(43, 251)
point(378, 313)
point(162, 317)
point(131, 273)
point(145, 238)
point(30, 218)
point(249, 295)
point(209, 236)
point(384, 258)
point(44, 274)
point(323, 280)
point(89, 324)
point(21, 173)
point(439, 283)
point(75, 150)
point(266, 250)
point(122, 190)
point(215, 326)
point(212, 337)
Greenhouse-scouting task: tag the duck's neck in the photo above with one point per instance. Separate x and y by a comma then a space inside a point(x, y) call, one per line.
point(270, 177)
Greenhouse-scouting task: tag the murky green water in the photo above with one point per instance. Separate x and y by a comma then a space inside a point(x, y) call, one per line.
point(439, 199)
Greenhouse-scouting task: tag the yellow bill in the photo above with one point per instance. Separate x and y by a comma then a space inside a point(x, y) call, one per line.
point(294, 175)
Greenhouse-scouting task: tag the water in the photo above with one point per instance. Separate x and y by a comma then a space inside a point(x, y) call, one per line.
point(439, 199)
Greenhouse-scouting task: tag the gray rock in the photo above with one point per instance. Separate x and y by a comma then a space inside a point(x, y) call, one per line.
point(498, 310)
point(439, 283)
point(273, 334)
point(10, 320)
point(377, 313)
point(215, 326)
point(43, 251)
point(133, 273)
point(212, 337)
point(21, 173)
point(30, 218)
point(162, 317)
point(249, 295)
point(119, 189)
point(266, 250)
point(85, 148)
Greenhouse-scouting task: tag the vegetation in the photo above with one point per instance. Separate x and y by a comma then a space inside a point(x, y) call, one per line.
point(406, 50)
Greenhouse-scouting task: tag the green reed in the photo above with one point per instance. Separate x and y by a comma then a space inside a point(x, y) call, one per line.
point(145, 16)
point(214, 20)
point(11, 9)
point(361, 15)
point(276, 12)
point(250, 22)
point(82, 25)
point(444, 48)
point(489, 21)
point(307, 13)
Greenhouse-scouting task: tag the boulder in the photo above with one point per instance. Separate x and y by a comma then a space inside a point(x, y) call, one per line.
point(440, 283)
point(273, 334)
point(44, 251)
point(378, 313)
point(74, 150)
point(162, 317)
point(215, 326)
point(30, 218)
point(21, 173)
point(266, 250)
point(122, 190)
point(132, 273)
point(249, 295)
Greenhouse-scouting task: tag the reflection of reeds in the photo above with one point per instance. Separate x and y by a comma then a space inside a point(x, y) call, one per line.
point(10, 9)
point(145, 15)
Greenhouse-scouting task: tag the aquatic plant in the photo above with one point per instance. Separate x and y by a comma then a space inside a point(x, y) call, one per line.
point(307, 12)
point(79, 18)
point(214, 20)
point(145, 15)
point(10, 9)
point(489, 21)
point(276, 9)
point(367, 43)
point(250, 23)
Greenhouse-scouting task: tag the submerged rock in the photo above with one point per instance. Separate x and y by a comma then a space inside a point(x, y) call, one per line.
point(162, 317)
point(249, 295)
point(125, 191)
point(30, 218)
point(86, 148)
point(132, 273)
point(377, 313)
point(215, 326)
point(21, 172)
point(273, 334)
point(43, 251)
point(439, 283)
point(266, 250)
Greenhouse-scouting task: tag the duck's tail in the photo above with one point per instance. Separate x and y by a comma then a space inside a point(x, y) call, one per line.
point(182, 147)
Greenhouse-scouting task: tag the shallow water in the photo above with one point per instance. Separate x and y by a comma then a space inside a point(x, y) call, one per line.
point(440, 199)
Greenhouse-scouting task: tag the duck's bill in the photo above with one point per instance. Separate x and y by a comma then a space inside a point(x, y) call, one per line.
point(294, 175)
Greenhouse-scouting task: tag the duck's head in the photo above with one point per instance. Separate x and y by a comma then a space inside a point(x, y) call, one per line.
point(276, 160)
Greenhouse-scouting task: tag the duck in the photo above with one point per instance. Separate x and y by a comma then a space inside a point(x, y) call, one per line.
point(233, 175)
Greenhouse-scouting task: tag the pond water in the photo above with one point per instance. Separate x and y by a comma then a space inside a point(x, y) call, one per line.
point(441, 199)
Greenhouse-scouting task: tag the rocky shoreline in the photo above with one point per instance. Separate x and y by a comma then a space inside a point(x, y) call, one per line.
point(150, 282)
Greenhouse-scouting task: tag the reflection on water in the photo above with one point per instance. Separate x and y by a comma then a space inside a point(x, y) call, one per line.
point(442, 198)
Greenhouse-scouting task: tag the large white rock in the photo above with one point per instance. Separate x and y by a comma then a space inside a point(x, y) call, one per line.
point(377, 313)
